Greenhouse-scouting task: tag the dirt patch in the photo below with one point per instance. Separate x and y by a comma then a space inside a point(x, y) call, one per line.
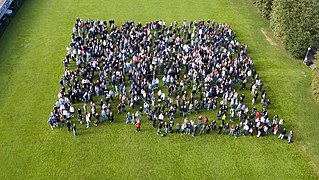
point(313, 66)
point(271, 42)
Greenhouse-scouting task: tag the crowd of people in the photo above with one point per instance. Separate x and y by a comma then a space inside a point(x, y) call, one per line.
point(166, 72)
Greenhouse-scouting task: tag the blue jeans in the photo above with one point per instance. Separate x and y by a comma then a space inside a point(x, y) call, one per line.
point(214, 107)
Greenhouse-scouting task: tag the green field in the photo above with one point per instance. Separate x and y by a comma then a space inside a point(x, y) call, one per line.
point(31, 54)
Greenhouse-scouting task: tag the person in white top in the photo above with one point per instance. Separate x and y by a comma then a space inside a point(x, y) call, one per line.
point(88, 120)
point(72, 111)
point(161, 117)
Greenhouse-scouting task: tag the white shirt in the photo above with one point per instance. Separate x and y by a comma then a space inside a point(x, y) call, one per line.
point(72, 109)
point(161, 117)
point(87, 118)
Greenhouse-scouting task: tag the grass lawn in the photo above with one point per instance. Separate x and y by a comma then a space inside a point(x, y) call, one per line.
point(31, 54)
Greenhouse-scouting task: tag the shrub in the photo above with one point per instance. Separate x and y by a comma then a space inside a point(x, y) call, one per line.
point(265, 7)
point(315, 80)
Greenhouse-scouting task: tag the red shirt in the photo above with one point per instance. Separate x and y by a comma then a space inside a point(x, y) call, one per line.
point(257, 115)
point(138, 124)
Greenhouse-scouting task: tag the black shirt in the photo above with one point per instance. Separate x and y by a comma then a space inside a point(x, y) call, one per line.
point(283, 131)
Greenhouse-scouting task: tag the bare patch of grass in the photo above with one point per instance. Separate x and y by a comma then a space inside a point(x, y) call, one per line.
point(271, 42)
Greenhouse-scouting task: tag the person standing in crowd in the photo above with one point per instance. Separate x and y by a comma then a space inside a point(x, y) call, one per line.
point(202, 129)
point(165, 128)
point(290, 137)
point(103, 114)
point(246, 129)
point(68, 124)
point(170, 126)
point(80, 115)
point(138, 126)
point(194, 130)
point(159, 129)
point(213, 125)
point(220, 127)
point(276, 128)
point(226, 127)
point(232, 129)
point(128, 117)
point(199, 120)
point(197, 66)
point(74, 129)
point(154, 119)
point(281, 123)
point(88, 119)
point(282, 134)
point(133, 119)
point(178, 126)
point(111, 117)
point(51, 123)
point(208, 128)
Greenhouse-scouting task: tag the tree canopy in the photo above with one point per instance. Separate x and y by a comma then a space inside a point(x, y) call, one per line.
point(296, 23)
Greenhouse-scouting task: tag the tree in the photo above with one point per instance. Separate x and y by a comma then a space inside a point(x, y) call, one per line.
point(317, 55)
point(297, 24)
point(265, 7)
